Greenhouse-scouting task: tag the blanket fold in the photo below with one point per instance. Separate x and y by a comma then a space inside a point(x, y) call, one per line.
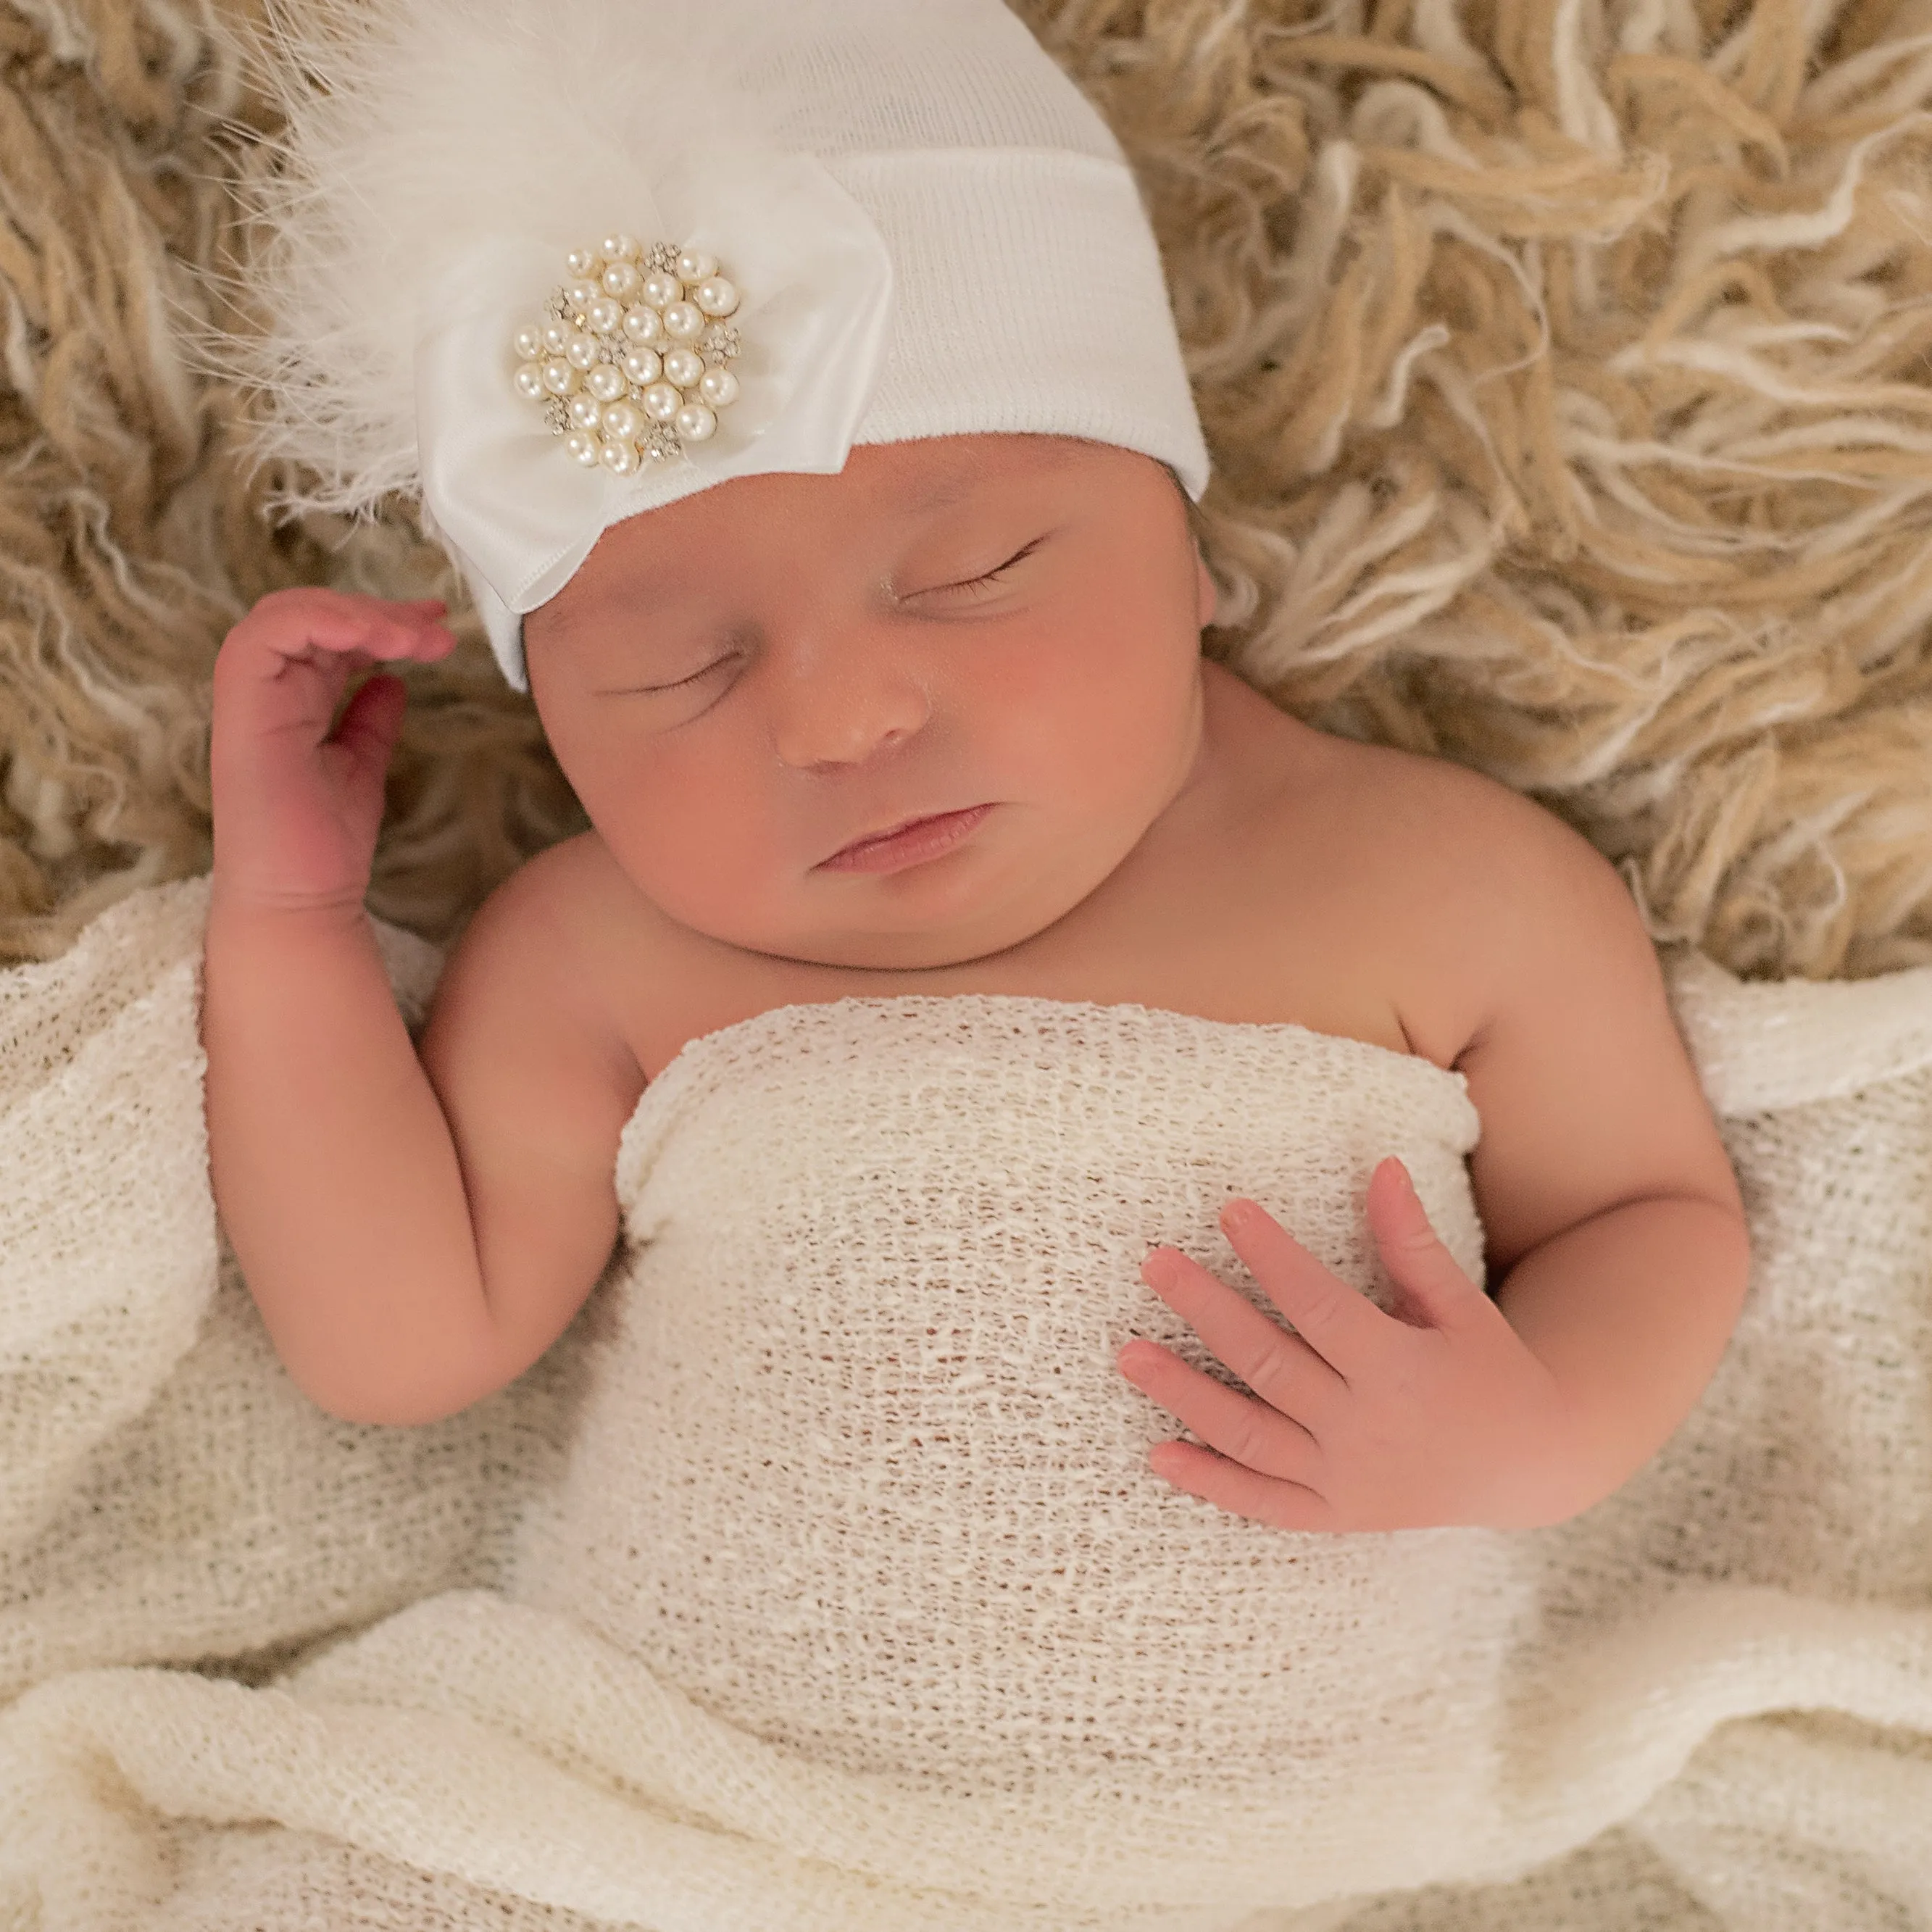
point(447, 1676)
point(167, 1494)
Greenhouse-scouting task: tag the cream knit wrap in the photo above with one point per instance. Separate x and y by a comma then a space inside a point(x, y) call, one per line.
point(816, 1578)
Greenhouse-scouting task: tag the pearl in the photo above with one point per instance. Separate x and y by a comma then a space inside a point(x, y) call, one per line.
point(617, 292)
point(695, 423)
point(683, 367)
point(621, 420)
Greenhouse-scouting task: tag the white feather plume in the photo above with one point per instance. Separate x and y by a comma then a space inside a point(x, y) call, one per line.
point(412, 125)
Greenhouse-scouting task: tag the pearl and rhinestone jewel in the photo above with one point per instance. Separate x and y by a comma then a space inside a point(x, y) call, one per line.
point(628, 366)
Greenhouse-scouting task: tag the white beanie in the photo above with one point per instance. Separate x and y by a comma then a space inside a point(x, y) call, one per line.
point(884, 220)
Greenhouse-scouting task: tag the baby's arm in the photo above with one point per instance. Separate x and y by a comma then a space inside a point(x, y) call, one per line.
point(1617, 1255)
point(415, 1230)
point(333, 1167)
point(1615, 1236)
point(1615, 1232)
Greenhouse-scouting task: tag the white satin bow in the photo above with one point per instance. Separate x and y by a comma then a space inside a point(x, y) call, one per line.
point(815, 280)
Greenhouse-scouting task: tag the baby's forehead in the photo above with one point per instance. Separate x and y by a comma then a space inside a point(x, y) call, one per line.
point(929, 467)
point(888, 495)
point(884, 487)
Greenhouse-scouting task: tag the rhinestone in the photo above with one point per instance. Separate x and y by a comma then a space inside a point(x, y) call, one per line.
point(599, 344)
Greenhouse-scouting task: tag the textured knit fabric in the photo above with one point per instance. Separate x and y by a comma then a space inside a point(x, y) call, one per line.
point(860, 1473)
point(761, 1649)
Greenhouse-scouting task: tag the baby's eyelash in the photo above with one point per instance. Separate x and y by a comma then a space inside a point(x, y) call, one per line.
point(972, 583)
point(993, 575)
point(653, 690)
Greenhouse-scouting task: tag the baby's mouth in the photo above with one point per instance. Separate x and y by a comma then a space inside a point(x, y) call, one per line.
point(912, 831)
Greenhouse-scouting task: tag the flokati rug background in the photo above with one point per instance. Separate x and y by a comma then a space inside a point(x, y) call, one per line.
point(1565, 370)
point(1564, 366)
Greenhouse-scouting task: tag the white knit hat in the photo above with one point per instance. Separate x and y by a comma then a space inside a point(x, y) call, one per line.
point(872, 221)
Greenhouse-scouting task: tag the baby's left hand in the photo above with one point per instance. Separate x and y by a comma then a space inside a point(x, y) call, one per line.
point(1367, 1422)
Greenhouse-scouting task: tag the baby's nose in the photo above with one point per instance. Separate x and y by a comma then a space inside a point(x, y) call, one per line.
point(845, 714)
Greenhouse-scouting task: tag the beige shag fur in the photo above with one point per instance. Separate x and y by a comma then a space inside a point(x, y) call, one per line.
point(1564, 363)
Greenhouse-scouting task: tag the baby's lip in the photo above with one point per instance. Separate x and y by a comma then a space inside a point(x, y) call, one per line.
point(904, 824)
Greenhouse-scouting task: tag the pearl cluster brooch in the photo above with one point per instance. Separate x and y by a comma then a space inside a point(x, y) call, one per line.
point(622, 347)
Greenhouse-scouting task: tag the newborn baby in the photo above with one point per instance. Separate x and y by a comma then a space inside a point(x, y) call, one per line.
point(940, 723)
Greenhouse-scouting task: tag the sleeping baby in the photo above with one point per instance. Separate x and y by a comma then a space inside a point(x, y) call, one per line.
point(985, 1033)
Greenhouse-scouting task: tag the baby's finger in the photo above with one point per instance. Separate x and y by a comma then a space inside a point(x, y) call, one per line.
point(282, 670)
point(1341, 1325)
point(1280, 1367)
point(329, 630)
point(1263, 1436)
point(1243, 1492)
point(427, 612)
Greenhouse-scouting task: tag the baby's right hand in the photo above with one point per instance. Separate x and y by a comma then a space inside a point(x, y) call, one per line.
point(297, 809)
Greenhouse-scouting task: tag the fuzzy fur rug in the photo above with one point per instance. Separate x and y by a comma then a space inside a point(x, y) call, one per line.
point(1563, 362)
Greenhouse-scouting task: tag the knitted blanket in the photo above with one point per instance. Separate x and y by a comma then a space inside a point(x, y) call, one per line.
point(817, 1579)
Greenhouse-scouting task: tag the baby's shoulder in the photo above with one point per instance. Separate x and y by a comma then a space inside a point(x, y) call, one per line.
point(1460, 879)
point(1523, 944)
point(1444, 820)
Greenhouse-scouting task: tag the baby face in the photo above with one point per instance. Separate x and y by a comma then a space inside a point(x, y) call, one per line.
point(741, 682)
